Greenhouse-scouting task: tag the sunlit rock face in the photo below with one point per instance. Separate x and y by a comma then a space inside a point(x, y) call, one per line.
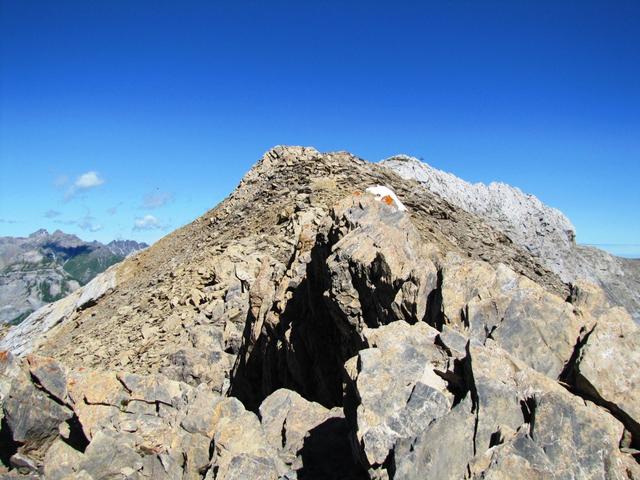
point(545, 232)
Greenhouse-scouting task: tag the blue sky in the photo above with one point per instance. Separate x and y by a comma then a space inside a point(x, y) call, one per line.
point(129, 119)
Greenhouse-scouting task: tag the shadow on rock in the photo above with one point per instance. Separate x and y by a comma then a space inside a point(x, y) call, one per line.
point(326, 453)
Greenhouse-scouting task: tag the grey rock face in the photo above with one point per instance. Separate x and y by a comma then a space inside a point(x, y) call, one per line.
point(495, 305)
point(597, 371)
point(543, 231)
point(395, 388)
point(524, 218)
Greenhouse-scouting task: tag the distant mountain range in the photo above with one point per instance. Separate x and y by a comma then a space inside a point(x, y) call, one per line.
point(45, 267)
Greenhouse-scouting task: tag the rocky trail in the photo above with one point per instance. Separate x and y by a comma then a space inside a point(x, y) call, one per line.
point(306, 328)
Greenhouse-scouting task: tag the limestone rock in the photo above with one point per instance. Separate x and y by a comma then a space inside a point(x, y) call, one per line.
point(375, 248)
point(605, 367)
point(543, 231)
point(287, 418)
point(442, 450)
point(395, 388)
point(498, 306)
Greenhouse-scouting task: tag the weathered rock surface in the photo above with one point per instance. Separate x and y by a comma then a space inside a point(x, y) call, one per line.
point(495, 305)
point(543, 231)
point(308, 329)
point(395, 388)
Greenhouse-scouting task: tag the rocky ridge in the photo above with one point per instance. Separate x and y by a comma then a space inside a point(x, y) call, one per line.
point(543, 231)
point(307, 329)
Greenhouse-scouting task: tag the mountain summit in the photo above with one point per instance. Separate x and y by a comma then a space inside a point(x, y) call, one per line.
point(329, 319)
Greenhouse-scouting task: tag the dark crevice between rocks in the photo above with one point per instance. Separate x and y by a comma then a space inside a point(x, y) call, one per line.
point(569, 372)
point(496, 439)
point(488, 333)
point(375, 294)
point(464, 316)
point(77, 439)
point(283, 433)
point(304, 351)
point(572, 380)
point(434, 315)
point(327, 451)
point(389, 464)
point(475, 400)
point(212, 449)
point(528, 407)
point(456, 381)
point(8, 446)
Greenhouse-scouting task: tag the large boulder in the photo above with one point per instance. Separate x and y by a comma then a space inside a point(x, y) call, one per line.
point(379, 270)
point(393, 388)
point(604, 368)
point(496, 305)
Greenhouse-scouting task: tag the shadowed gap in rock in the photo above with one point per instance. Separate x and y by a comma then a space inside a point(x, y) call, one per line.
point(8, 446)
point(306, 350)
point(434, 315)
point(77, 439)
point(528, 407)
point(571, 379)
point(326, 453)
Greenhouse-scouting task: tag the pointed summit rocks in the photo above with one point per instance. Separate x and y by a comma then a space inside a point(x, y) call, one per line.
point(309, 328)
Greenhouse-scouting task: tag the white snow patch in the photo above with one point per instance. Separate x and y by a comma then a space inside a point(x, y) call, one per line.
point(381, 192)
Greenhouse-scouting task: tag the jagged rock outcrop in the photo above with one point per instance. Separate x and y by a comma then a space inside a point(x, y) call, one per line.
point(306, 328)
point(543, 231)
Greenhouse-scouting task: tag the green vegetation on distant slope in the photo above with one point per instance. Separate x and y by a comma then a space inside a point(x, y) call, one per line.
point(20, 318)
point(45, 292)
point(86, 266)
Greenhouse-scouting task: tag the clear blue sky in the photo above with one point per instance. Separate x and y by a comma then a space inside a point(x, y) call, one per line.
point(169, 103)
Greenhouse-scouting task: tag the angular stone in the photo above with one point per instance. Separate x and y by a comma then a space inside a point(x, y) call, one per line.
point(32, 416)
point(200, 417)
point(287, 418)
point(109, 453)
point(607, 369)
point(376, 249)
point(497, 305)
point(51, 376)
point(61, 461)
point(395, 388)
point(442, 450)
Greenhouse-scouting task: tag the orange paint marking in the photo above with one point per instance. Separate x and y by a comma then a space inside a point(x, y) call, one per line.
point(387, 199)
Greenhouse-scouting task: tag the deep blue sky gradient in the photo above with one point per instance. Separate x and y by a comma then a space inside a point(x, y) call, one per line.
point(179, 99)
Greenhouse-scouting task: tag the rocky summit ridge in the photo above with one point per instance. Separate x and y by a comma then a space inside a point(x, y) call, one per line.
point(543, 231)
point(305, 328)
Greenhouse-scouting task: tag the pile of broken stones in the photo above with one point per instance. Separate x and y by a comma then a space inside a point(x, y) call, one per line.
point(368, 354)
